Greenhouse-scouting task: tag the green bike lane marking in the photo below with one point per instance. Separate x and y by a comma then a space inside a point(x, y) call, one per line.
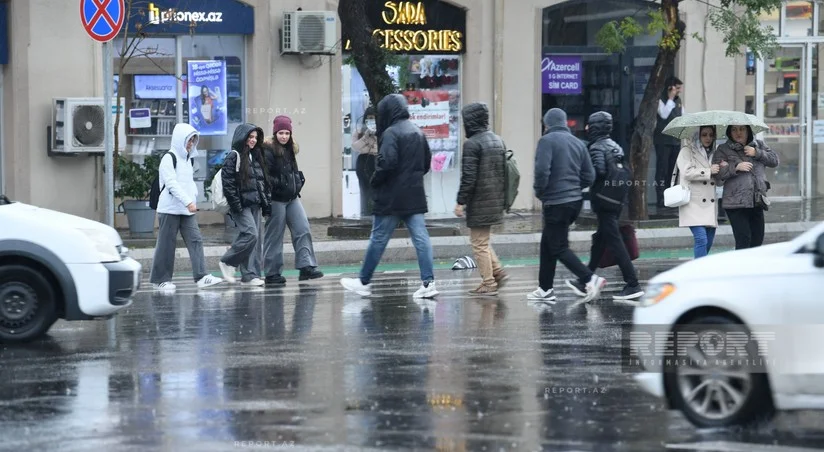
point(446, 265)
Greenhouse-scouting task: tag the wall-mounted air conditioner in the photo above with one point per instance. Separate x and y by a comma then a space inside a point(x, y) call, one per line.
point(309, 32)
point(78, 125)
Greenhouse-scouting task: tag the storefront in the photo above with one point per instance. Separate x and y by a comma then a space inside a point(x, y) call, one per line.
point(428, 39)
point(191, 68)
point(785, 92)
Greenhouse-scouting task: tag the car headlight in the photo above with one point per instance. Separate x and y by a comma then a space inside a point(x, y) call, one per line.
point(106, 250)
point(656, 293)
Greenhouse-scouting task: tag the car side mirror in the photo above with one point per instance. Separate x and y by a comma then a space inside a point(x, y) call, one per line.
point(819, 252)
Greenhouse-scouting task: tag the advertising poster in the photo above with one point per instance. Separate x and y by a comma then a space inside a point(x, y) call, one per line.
point(562, 74)
point(207, 104)
point(429, 110)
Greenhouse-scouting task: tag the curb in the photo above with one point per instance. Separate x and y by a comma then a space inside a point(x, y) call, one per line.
point(507, 246)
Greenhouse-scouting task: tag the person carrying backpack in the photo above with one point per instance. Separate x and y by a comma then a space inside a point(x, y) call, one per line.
point(482, 193)
point(609, 194)
point(176, 208)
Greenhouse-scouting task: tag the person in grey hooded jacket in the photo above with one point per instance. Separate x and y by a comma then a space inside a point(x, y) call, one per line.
point(562, 170)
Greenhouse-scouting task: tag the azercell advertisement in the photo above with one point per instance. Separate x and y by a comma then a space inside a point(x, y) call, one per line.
point(207, 106)
point(429, 110)
point(562, 74)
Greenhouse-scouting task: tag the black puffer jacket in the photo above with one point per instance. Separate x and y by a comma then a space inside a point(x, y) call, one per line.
point(285, 179)
point(251, 191)
point(483, 182)
point(602, 150)
point(403, 159)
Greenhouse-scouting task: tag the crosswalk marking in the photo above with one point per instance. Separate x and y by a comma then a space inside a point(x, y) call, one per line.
point(729, 446)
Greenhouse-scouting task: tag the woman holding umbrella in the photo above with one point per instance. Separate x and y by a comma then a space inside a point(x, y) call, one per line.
point(693, 167)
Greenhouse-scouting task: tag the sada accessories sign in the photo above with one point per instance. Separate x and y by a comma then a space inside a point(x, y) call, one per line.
point(562, 74)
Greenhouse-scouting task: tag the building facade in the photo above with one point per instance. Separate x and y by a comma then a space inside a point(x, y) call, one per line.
point(521, 57)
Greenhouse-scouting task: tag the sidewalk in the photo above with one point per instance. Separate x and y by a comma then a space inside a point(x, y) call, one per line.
point(518, 237)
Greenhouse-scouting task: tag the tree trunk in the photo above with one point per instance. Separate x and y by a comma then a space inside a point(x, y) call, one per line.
point(641, 143)
point(370, 58)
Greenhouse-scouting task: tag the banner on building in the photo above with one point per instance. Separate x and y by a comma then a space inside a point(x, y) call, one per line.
point(207, 102)
point(562, 74)
point(429, 110)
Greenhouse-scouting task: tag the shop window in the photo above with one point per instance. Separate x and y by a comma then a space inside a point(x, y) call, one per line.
point(432, 87)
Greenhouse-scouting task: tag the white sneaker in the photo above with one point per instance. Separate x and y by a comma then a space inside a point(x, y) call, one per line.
point(228, 272)
point(541, 295)
point(256, 282)
point(164, 286)
point(426, 291)
point(208, 280)
point(355, 285)
point(594, 286)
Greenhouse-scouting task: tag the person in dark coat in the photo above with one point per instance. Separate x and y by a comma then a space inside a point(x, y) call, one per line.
point(605, 153)
point(482, 193)
point(245, 189)
point(403, 160)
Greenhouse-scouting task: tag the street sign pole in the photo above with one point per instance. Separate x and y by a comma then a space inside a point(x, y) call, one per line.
point(108, 137)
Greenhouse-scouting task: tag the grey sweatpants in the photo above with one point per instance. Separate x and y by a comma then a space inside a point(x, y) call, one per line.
point(245, 253)
point(287, 214)
point(163, 264)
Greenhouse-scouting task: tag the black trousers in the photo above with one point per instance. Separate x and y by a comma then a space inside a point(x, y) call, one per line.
point(747, 227)
point(665, 158)
point(609, 236)
point(555, 244)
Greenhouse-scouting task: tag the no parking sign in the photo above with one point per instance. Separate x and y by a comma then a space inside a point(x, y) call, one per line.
point(102, 19)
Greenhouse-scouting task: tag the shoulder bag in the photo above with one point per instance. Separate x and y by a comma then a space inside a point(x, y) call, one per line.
point(676, 195)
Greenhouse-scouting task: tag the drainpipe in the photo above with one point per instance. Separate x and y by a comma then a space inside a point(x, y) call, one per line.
point(498, 61)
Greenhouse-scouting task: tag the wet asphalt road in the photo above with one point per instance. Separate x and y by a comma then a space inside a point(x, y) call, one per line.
point(310, 367)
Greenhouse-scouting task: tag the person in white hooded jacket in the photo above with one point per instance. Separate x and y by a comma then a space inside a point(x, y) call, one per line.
point(176, 208)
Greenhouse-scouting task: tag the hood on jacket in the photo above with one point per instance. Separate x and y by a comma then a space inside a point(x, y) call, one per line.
point(475, 118)
point(696, 139)
point(391, 109)
point(750, 136)
point(180, 136)
point(242, 133)
point(556, 118)
point(600, 126)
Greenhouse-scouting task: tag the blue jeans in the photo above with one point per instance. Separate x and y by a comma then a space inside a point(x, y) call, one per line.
point(382, 228)
point(703, 236)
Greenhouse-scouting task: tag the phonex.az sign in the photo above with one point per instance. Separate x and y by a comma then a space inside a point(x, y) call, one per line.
point(176, 17)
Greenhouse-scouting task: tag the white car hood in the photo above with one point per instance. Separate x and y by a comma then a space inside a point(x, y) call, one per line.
point(60, 219)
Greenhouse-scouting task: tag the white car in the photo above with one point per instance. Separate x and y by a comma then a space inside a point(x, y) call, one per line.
point(55, 265)
point(741, 333)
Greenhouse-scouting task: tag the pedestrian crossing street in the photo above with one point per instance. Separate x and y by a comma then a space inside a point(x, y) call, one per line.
point(451, 284)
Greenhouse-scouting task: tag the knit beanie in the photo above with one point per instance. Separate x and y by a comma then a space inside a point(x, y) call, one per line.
point(282, 123)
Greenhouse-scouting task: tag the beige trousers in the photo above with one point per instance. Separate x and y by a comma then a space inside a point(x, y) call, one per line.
point(485, 256)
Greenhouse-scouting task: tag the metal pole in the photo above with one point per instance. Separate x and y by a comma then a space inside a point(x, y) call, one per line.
point(108, 136)
point(179, 75)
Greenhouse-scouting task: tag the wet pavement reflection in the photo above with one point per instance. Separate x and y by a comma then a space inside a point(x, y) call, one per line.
point(309, 366)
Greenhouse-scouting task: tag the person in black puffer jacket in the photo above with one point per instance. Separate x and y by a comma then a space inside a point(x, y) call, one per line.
point(246, 191)
point(482, 192)
point(605, 153)
point(286, 182)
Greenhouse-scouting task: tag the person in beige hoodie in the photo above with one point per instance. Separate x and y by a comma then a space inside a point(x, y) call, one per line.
point(366, 145)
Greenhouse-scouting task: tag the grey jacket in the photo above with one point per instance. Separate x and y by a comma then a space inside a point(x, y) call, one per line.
point(740, 187)
point(563, 167)
point(483, 166)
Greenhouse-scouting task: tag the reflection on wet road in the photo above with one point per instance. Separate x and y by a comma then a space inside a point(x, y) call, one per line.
point(308, 366)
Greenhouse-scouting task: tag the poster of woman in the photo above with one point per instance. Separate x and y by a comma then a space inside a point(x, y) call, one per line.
point(207, 106)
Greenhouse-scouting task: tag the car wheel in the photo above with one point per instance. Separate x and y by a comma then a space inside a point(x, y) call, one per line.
point(27, 304)
point(712, 392)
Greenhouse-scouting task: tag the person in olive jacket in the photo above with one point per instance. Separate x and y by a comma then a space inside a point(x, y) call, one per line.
point(286, 182)
point(245, 189)
point(482, 193)
point(403, 160)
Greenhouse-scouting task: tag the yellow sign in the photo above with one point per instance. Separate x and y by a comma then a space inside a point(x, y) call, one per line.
point(413, 13)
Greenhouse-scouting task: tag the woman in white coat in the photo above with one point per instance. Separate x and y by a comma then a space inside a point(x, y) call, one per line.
point(695, 171)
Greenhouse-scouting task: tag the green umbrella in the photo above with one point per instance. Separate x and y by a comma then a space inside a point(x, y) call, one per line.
point(686, 126)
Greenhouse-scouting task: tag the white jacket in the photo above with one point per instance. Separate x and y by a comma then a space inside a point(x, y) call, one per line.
point(694, 172)
point(180, 188)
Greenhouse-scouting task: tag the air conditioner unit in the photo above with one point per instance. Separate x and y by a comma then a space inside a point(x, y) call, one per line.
point(78, 125)
point(309, 32)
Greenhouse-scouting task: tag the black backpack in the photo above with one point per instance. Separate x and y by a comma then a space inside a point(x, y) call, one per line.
point(611, 191)
point(156, 190)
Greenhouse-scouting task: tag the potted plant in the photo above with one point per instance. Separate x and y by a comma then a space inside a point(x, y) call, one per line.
point(134, 184)
point(230, 229)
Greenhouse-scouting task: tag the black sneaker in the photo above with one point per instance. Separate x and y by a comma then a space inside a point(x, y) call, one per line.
point(577, 287)
point(275, 280)
point(309, 273)
point(629, 293)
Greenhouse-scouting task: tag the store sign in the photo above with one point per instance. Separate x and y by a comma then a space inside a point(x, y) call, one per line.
point(155, 86)
point(562, 74)
point(174, 17)
point(422, 27)
point(429, 110)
